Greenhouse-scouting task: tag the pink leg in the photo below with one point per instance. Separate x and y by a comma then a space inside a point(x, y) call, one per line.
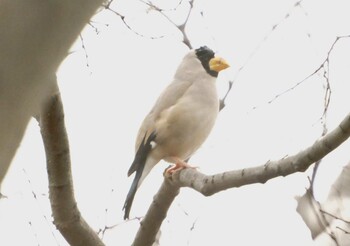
point(179, 164)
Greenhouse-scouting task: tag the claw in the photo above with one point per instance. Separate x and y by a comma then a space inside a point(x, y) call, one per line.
point(179, 164)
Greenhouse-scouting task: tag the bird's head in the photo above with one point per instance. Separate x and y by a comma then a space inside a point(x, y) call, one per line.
point(211, 63)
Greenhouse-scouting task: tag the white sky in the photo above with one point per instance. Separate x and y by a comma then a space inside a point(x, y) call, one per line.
point(106, 101)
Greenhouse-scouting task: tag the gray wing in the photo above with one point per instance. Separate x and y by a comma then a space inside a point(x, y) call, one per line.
point(172, 93)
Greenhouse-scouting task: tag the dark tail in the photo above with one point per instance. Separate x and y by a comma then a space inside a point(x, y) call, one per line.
point(130, 197)
point(137, 165)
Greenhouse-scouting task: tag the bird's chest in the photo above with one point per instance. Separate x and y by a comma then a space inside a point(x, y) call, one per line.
point(188, 124)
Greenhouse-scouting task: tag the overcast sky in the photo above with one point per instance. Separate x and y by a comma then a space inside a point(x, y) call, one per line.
point(109, 87)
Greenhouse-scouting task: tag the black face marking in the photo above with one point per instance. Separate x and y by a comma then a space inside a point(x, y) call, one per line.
point(204, 54)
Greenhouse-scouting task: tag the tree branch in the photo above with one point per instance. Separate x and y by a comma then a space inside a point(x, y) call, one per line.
point(222, 101)
point(156, 213)
point(324, 66)
point(67, 217)
point(181, 27)
point(211, 184)
point(25, 26)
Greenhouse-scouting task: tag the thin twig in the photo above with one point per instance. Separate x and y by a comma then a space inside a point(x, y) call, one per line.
point(182, 27)
point(222, 101)
point(322, 66)
point(122, 17)
point(327, 98)
point(343, 230)
point(265, 38)
point(85, 52)
point(334, 216)
point(35, 196)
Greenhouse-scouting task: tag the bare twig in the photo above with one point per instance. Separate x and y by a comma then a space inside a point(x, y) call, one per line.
point(85, 52)
point(122, 17)
point(265, 38)
point(322, 66)
point(324, 132)
point(163, 9)
point(256, 49)
point(182, 27)
point(341, 229)
point(334, 216)
point(106, 228)
point(34, 233)
point(35, 196)
point(222, 101)
point(330, 233)
point(94, 25)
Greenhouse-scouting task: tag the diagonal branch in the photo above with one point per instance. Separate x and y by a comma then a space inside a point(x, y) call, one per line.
point(211, 184)
point(67, 217)
point(156, 213)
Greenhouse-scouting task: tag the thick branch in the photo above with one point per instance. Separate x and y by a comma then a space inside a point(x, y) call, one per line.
point(66, 215)
point(157, 212)
point(35, 38)
point(211, 184)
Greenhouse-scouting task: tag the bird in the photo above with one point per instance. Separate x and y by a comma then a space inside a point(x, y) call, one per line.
point(180, 120)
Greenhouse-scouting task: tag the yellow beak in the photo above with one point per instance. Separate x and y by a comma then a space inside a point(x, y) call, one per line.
point(217, 64)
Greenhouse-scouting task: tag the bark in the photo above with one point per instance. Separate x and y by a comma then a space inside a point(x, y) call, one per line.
point(35, 38)
point(157, 212)
point(67, 217)
point(211, 184)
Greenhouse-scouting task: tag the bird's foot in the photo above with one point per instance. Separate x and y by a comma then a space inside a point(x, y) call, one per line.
point(179, 164)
